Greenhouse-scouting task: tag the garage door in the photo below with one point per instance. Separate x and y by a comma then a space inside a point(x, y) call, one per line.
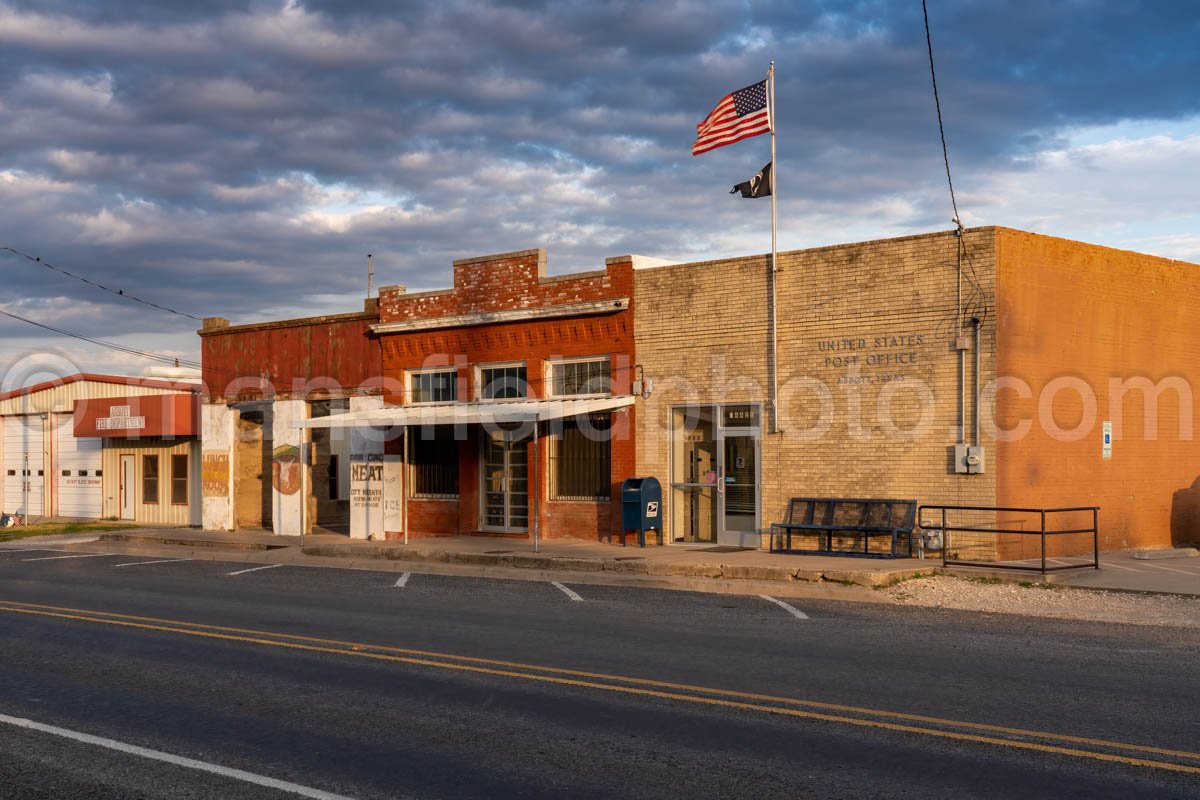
point(77, 473)
point(23, 435)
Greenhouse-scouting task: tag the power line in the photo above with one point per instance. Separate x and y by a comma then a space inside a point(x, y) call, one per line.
point(119, 292)
point(938, 104)
point(173, 360)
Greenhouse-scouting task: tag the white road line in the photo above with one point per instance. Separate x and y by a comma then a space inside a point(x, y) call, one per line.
point(575, 597)
point(77, 555)
point(1158, 567)
point(140, 563)
point(179, 761)
point(253, 569)
point(400, 584)
point(795, 612)
point(1110, 565)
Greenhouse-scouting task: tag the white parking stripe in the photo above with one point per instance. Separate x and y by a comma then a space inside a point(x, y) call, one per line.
point(400, 584)
point(795, 612)
point(253, 569)
point(77, 555)
point(1158, 567)
point(140, 563)
point(575, 597)
point(179, 761)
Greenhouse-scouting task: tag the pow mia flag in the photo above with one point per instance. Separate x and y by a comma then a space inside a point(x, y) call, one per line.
point(758, 186)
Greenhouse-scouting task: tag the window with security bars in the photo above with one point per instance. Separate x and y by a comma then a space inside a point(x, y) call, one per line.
point(581, 460)
point(440, 386)
point(580, 377)
point(503, 383)
point(434, 461)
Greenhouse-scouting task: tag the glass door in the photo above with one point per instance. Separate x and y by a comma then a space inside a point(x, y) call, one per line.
point(694, 490)
point(715, 482)
point(504, 475)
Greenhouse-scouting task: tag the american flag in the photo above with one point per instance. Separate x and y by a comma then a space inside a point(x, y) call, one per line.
point(738, 116)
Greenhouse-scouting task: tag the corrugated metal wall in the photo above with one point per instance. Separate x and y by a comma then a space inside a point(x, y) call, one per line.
point(162, 512)
point(62, 398)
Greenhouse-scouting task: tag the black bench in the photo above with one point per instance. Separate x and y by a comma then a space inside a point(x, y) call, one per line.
point(825, 517)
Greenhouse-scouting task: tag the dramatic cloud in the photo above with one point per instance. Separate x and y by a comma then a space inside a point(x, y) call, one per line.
point(241, 158)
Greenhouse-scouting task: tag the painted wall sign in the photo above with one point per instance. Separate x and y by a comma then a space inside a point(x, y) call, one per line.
point(214, 473)
point(285, 469)
point(120, 419)
point(167, 415)
point(366, 493)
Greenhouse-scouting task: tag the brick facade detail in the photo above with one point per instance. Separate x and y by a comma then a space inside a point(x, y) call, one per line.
point(505, 309)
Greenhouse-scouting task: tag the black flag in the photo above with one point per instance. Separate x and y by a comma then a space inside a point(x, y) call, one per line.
point(758, 186)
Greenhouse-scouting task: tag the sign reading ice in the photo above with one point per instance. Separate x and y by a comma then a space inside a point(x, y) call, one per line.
point(119, 419)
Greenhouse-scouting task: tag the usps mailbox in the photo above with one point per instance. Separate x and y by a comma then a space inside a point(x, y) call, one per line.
point(641, 508)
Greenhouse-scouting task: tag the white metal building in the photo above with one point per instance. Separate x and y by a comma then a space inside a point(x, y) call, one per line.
point(46, 470)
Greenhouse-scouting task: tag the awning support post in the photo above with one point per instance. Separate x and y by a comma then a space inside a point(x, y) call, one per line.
point(404, 481)
point(534, 484)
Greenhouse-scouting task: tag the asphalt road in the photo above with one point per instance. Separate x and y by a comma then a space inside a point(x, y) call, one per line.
point(343, 683)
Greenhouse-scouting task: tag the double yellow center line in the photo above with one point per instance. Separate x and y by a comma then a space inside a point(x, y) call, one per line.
point(999, 735)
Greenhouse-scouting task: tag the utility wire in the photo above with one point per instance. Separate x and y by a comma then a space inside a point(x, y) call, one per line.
point(119, 292)
point(173, 360)
point(938, 104)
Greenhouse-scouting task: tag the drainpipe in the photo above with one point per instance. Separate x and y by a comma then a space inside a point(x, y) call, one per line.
point(962, 360)
point(977, 323)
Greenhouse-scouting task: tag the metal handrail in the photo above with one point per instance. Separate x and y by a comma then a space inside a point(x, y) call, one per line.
point(1042, 533)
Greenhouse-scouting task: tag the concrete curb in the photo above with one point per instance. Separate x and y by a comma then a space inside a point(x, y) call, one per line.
point(622, 566)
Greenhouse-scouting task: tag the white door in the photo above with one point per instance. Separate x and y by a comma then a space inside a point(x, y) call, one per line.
point(78, 474)
point(23, 465)
point(128, 477)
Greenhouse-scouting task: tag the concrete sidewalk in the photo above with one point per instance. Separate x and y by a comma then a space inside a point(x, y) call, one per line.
point(696, 567)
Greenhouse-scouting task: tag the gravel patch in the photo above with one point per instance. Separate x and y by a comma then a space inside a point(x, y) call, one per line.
point(1047, 600)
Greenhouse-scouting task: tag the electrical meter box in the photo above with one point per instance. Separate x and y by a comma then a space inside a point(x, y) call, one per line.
point(968, 459)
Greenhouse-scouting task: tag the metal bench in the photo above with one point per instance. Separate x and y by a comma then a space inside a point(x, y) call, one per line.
point(826, 518)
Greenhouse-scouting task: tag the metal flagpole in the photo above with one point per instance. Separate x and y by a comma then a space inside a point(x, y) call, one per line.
point(774, 257)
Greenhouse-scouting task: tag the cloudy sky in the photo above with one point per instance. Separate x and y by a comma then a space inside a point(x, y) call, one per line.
point(241, 159)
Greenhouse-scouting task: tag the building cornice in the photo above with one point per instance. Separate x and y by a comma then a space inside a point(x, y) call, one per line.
point(594, 308)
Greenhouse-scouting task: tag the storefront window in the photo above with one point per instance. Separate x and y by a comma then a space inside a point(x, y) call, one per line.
point(179, 479)
point(434, 459)
point(503, 383)
point(580, 377)
point(580, 460)
point(149, 479)
point(437, 386)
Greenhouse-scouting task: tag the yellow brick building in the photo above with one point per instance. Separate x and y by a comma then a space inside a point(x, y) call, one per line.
point(893, 352)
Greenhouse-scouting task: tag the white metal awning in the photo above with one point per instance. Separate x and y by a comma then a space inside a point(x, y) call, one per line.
point(496, 411)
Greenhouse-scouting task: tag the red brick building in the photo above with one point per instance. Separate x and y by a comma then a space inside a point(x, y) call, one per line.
point(508, 356)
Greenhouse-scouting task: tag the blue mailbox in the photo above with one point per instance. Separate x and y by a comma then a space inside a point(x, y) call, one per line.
point(641, 508)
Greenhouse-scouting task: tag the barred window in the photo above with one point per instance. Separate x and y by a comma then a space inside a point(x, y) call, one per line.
point(434, 459)
point(580, 377)
point(149, 479)
point(440, 386)
point(503, 383)
point(580, 460)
